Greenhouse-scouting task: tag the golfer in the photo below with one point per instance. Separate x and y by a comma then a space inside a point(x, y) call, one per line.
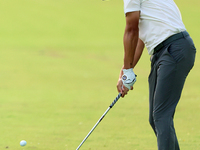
point(157, 24)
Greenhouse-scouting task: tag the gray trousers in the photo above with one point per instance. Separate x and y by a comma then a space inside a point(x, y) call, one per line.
point(169, 69)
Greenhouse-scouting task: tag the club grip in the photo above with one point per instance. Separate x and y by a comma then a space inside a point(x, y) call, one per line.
point(116, 99)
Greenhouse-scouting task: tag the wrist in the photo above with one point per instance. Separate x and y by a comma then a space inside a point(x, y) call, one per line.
point(128, 66)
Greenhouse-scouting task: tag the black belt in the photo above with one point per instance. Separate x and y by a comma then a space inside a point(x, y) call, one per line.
point(169, 40)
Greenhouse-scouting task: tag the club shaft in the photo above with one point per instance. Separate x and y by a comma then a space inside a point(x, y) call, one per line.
point(93, 128)
point(111, 105)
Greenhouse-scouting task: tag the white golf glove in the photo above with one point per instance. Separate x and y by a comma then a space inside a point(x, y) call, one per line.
point(128, 78)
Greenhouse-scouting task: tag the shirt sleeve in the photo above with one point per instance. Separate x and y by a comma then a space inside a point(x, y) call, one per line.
point(131, 5)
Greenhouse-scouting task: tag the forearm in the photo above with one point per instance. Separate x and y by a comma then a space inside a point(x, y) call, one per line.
point(137, 55)
point(130, 44)
point(138, 52)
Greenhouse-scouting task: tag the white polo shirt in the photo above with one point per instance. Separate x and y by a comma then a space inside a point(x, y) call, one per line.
point(159, 19)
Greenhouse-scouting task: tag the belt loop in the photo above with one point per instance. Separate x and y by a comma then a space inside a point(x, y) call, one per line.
point(185, 33)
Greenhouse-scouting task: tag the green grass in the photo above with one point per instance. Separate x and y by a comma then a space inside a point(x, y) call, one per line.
point(59, 63)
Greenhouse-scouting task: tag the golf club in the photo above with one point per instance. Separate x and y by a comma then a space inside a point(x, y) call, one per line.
point(111, 105)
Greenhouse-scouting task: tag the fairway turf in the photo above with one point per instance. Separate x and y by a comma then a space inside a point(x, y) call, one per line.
point(59, 64)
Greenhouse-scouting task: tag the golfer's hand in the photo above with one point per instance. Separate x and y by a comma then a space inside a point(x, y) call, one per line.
point(121, 88)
